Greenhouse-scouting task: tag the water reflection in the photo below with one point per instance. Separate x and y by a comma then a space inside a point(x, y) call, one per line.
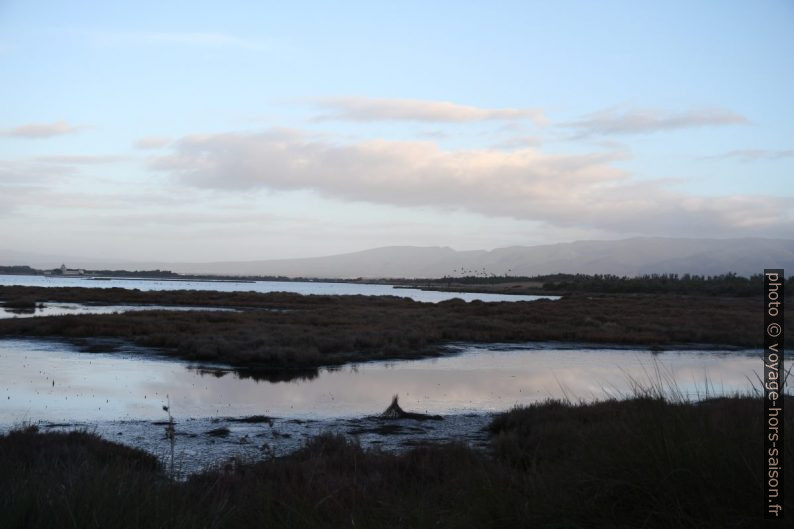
point(260, 375)
point(52, 381)
point(62, 308)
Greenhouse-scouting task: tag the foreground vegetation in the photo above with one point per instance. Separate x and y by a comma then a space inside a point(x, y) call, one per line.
point(309, 331)
point(644, 462)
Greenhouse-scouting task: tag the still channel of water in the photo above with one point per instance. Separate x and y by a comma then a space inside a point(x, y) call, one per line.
point(53, 381)
point(298, 287)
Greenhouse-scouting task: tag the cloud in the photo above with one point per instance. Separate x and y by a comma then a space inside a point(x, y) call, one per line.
point(433, 134)
point(152, 142)
point(190, 219)
point(25, 181)
point(78, 159)
point(41, 130)
point(752, 155)
point(372, 109)
point(26, 172)
point(645, 121)
point(584, 191)
point(519, 142)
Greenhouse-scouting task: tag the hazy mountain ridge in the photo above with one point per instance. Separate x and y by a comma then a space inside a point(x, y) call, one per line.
point(623, 257)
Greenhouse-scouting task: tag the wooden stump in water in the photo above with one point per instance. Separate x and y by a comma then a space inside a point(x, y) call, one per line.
point(394, 411)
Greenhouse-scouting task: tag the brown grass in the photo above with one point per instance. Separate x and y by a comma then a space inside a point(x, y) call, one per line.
point(327, 330)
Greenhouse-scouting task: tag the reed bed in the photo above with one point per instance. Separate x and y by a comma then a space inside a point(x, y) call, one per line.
point(309, 331)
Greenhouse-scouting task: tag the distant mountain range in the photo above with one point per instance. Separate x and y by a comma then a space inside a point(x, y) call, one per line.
point(624, 257)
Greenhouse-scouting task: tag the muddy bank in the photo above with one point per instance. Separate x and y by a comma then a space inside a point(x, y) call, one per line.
point(200, 443)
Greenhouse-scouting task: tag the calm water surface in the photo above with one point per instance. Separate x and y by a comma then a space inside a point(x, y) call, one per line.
point(299, 287)
point(52, 381)
point(61, 309)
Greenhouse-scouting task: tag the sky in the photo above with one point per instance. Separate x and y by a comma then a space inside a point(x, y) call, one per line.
point(193, 131)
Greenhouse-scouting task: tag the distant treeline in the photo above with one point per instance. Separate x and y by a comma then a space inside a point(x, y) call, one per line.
point(133, 273)
point(24, 270)
point(727, 284)
point(730, 284)
point(167, 274)
point(158, 274)
point(28, 270)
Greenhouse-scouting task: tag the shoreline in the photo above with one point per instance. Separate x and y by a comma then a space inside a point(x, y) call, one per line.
point(203, 442)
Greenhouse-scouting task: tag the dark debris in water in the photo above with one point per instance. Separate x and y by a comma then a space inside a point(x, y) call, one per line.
point(219, 432)
point(382, 429)
point(394, 411)
point(253, 419)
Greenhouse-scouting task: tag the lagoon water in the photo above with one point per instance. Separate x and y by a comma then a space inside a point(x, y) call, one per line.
point(120, 395)
point(62, 309)
point(54, 381)
point(299, 287)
